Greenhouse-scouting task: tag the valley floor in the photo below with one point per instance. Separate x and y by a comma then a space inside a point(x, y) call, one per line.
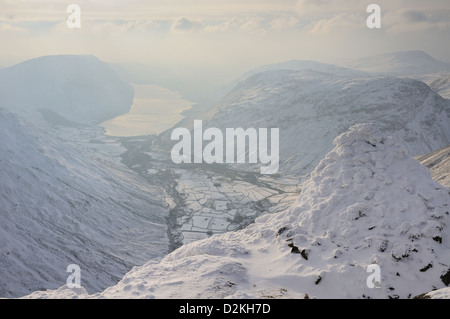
point(202, 200)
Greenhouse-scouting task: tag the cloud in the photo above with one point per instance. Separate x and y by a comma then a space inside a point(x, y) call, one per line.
point(245, 25)
point(415, 16)
point(223, 26)
point(325, 8)
point(185, 24)
point(410, 21)
point(9, 27)
point(400, 16)
point(340, 22)
point(123, 26)
point(305, 5)
point(253, 25)
point(94, 27)
point(283, 23)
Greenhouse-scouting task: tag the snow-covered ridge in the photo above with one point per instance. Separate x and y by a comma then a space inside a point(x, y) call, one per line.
point(311, 107)
point(78, 88)
point(304, 65)
point(367, 202)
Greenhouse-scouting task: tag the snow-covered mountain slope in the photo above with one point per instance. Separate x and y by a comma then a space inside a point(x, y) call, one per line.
point(60, 207)
point(411, 64)
point(304, 65)
point(404, 63)
point(367, 202)
point(75, 88)
point(439, 164)
point(310, 108)
point(208, 110)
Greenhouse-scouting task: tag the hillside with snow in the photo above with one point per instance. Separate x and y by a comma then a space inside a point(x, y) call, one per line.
point(65, 89)
point(61, 206)
point(311, 107)
point(367, 202)
point(297, 65)
point(407, 64)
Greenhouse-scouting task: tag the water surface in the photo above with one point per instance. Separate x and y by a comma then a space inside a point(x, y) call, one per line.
point(154, 110)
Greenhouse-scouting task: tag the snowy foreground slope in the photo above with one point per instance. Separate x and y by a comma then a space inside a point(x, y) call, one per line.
point(59, 207)
point(65, 89)
point(367, 202)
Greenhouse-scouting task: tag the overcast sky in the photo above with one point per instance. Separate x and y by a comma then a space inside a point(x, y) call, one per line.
point(228, 36)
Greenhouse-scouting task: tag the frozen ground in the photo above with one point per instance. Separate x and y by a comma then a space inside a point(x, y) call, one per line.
point(205, 199)
point(218, 204)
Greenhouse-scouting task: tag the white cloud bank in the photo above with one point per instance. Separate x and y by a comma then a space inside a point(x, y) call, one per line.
point(222, 35)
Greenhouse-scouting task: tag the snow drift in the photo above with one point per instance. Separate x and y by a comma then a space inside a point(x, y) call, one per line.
point(367, 202)
point(70, 88)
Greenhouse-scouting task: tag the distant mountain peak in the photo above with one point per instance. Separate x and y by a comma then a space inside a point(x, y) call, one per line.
point(411, 53)
point(402, 63)
point(79, 88)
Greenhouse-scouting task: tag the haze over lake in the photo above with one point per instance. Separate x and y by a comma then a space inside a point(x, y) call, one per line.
point(154, 110)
